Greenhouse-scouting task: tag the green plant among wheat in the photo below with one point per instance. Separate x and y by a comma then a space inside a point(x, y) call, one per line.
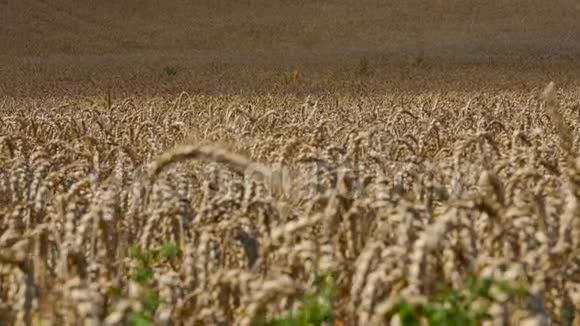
point(316, 306)
point(143, 274)
point(468, 306)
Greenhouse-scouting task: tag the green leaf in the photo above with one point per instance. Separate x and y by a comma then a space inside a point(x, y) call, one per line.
point(482, 287)
point(139, 319)
point(169, 251)
point(454, 307)
point(134, 252)
point(567, 314)
point(316, 308)
point(513, 289)
point(142, 275)
point(408, 313)
point(150, 301)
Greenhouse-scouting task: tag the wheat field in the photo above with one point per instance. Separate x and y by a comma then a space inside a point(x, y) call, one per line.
point(224, 210)
point(290, 163)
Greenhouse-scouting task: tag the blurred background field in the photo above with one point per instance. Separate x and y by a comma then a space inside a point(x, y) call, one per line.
point(203, 46)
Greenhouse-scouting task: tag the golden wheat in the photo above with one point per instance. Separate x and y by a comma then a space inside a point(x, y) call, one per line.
point(394, 195)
